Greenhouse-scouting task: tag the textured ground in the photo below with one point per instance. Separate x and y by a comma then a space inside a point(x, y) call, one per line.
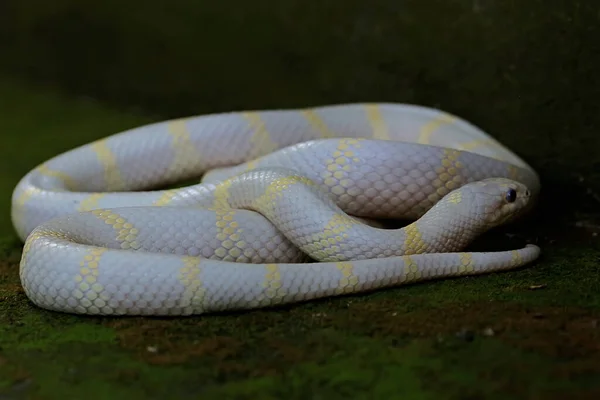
point(524, 72)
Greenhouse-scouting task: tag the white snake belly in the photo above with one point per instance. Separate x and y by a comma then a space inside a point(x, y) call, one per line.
point(97, 241)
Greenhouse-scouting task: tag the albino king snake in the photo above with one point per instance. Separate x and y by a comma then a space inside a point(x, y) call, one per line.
point(100, 238)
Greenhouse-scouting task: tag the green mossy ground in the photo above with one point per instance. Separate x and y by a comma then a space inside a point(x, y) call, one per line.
point(532, 333)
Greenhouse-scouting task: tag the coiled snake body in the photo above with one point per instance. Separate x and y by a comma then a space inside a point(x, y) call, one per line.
point(288, 210)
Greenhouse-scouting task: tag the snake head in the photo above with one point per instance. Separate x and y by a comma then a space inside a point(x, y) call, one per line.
point(493, 201)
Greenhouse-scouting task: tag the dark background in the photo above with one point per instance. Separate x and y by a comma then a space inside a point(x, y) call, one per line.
point(526, 71)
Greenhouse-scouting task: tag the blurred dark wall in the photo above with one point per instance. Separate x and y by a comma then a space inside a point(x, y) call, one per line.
point(523, 70)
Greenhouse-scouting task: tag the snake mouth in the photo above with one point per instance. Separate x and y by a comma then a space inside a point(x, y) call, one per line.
point(517, 210)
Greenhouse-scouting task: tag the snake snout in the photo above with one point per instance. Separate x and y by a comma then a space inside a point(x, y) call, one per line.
point(503, 199)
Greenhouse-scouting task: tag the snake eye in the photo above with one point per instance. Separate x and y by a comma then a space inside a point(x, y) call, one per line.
point(511, 195)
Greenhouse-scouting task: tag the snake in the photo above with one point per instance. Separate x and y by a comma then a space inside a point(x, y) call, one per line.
point(241, 210)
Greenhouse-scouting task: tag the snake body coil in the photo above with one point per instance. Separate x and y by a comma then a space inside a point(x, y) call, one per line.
point(279, 188)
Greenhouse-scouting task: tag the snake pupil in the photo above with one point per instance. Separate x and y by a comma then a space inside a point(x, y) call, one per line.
point(511, 195)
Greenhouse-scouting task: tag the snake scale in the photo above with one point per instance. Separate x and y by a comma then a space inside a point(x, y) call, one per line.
point(289, 208)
